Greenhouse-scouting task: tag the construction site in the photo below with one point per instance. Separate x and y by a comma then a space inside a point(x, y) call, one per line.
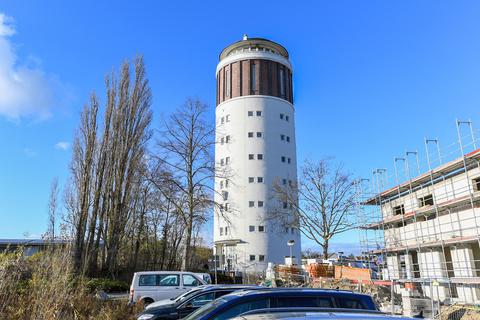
point(420, 224)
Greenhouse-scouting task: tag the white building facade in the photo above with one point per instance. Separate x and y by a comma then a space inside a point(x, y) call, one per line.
point(431, 229)
point(255, 149)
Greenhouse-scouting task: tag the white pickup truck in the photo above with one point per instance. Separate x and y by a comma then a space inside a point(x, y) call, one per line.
point(150, 286)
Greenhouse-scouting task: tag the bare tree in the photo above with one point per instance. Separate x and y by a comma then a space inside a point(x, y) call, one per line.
point(320, 205)
point(52, 209)
point(186, 149)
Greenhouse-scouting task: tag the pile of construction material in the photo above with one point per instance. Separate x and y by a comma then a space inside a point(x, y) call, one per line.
point(460, 312)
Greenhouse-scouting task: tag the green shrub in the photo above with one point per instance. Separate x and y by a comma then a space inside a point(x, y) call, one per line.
point(107, 285)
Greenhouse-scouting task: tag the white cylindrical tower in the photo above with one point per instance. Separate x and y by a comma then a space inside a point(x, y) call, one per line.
point(255, 133)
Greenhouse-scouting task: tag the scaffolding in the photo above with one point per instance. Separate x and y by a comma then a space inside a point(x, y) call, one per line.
point(420, 225)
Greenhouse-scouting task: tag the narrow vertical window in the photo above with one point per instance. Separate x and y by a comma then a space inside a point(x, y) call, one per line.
point(282, 82)
point(253, 77)
point(228, 82)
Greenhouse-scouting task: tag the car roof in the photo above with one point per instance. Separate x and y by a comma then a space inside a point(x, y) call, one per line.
point(331, 315)
point(163, 272)
point(287, 291)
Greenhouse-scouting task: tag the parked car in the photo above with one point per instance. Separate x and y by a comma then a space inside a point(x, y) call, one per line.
point(188, 302)
point(321, 315)
point(237, 303)
point(150, 286)
point(178, 298)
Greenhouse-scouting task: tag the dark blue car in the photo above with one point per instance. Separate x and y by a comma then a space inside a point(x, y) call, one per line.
point(237, 303)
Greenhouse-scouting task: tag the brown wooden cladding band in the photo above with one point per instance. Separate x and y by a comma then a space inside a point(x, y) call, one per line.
point(254, 77)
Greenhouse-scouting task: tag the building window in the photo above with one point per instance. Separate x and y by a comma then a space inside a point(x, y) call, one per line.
point(261, 258)
point(221, 184)
point(286, 118)
point(476, 184)
point(250, 113)
point(286, 229)
point(281, 116)
point(259, 113)
point(251, 179)
point(251, 156)
point(260, 179)
point(283, 159)
point(251, 228)
point(259, 156)
point(226, 209)
point(284, 181)
point(227, 118)
point(253, 77)
point(227, 76)
point(292, 230)
point(288, 139)
point(251, 204)
point(225, 195)
point(221, 231)
point(227, 139)
point(222, 162)
point(250, 134)
point(227, 160)
point(282, 137)
point(259, 134)
point(226, 183)
point(222, 120)
point(252, 257)
point(226, 230)
point(425, 201)
point(289, 160)
point(260, 204)
point(282, 82)
point(399, 210)
point(285, 205)
point(261, 228)
point(222, 140)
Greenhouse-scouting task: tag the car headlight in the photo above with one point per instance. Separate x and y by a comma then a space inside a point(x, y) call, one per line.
point(146, 316)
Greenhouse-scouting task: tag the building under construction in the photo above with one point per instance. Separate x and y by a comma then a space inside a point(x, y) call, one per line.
point(424, 233)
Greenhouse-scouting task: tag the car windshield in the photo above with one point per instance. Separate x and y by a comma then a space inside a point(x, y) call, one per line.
point(185, 295)
point(206, 309)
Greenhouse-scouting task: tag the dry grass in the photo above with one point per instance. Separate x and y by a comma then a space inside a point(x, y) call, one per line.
point(41, 287)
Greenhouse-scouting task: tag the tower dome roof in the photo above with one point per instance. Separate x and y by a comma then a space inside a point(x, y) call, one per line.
point(254, 43)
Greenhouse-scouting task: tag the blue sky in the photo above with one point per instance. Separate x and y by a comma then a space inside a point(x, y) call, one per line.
point(372, 78)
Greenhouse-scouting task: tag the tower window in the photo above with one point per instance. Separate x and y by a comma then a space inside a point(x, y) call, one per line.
point(221, 184)
point(226, 183)
point(222, 162)
point(282, 137)
point(260, 204)
point(227, 76)
point(286, 118)
point(250, 113)
point(252, 257)
point(250, 134)
point(225, 195)
point(261, 258)
point(288, 139)
point(251, 228)
point(221, 231)
point(259, 113)
point(222, 120)
point(253, 77)
point(227, 118)
point(251, 204)
point(251, 156)
point(282, 82)
point(222, 140)
point(251, 179)
point(285, 205)
point(281, 116)
point(260, 179)
point(227, 160)
point(290, 183)
point(260, 156)
point(289, 160)
point(227, 139)
point(226, 230)
point(259, 134)
point(284, 181)
point(261, 228)
point(283, 159)
point(226, 209)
